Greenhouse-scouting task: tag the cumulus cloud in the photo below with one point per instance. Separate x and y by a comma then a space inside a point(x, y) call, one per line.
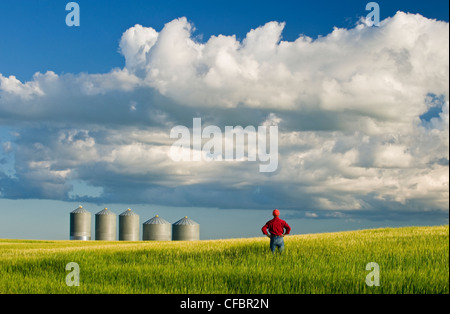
point(349, 106)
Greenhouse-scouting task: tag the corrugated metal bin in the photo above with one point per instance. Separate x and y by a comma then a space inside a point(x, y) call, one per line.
point(105, 225)
point(185, 229)
point(129, 226)
point(80, 224)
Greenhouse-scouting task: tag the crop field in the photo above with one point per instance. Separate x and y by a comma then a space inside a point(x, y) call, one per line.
point(409, 260)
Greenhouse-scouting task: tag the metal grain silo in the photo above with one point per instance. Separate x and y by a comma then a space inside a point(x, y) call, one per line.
point(157, 229)
point(80, 224)
point(129, 226)
point(185, 229)
point(105, 225)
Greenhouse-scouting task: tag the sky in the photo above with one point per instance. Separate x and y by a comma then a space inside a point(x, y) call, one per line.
point(361, 113)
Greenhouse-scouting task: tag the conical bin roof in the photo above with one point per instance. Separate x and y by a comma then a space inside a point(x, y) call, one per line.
point(156, 221)
point(185, 221)
point(105, 211)
point(80, 210)
point(128, 212)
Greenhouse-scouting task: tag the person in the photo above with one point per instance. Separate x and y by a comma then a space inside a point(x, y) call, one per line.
point(278, 228)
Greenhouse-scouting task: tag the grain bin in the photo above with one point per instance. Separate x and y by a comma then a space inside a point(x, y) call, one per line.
point(129, 226)
point(105, 225)
point(80, 224)
point(185, 229)
point(157, 229)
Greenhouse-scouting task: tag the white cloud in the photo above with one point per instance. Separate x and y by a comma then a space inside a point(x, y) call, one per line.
point(348, 108)
point(379, 75)
point(12, 86)
point(7, 147)
point(392, 156)
point(135, 44)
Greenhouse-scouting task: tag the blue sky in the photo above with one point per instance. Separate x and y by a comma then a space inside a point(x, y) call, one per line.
point(362, 112)
point(38, 39)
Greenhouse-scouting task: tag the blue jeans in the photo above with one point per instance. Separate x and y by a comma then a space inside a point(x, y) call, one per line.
point(276, 242)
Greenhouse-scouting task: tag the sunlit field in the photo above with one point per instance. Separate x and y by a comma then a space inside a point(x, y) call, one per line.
point(410, 260)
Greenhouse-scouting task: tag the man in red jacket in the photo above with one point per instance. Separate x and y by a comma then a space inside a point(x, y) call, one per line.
point(278, 228)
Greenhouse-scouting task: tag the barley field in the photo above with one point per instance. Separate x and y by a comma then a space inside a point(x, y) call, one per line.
point(410, 259)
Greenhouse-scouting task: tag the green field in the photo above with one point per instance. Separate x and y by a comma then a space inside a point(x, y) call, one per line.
point(410, 259)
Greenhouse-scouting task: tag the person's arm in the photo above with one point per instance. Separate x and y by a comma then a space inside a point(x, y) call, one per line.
point(264, 230)
point(287, 229)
